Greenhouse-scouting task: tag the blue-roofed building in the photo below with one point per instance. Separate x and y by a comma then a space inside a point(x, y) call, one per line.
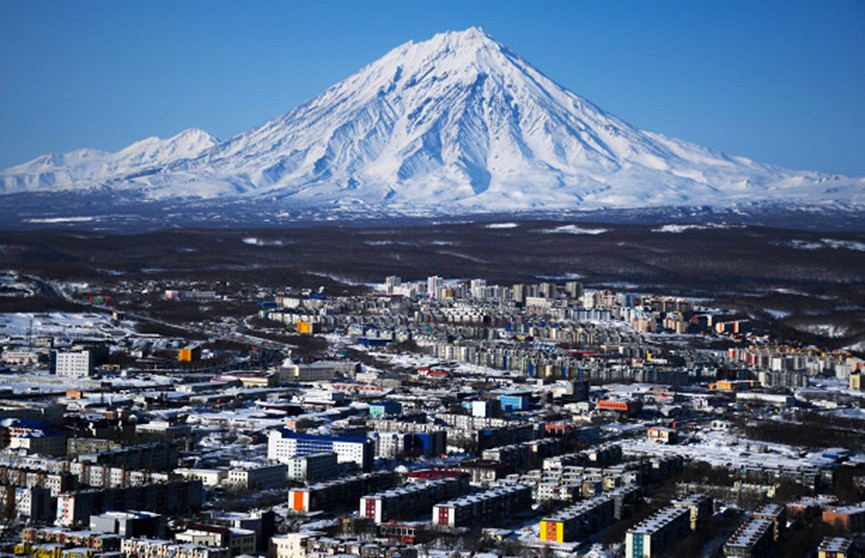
point(283, 444)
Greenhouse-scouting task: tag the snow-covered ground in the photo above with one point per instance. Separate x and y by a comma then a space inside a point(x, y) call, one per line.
point(41, 381)
point(826, 330)
point(561, 277)
point(832, 243)
point(11, 284)
point(574, 229)
point(72, 326)
point(255, 241)
point(844, 244)
point(682, 228)
point(830, 386)
point(728, 449)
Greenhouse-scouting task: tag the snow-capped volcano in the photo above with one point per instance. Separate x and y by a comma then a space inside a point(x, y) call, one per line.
point(457, 123)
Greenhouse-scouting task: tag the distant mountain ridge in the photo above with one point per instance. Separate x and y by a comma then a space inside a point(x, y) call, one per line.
point(457, 124)
point(85, 168)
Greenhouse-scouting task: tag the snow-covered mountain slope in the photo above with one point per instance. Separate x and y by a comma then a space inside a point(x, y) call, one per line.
point(457, 123)
point(86, 168)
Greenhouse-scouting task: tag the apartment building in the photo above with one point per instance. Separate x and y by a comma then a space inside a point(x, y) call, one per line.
point(75, 508)
point(259, 477)
point(655, 535)
point(129, 524)
point(313, 467)
point(380, 409)
point(77, 364)
point(753, 539)
point(67, 538)
point(489, 507)
point(411, 499)
point(835, 547)
point(700, 508)
point(237, 541)
point(849, 518)
point(337, 494)
point(391, 445)
point(577, 521)
point(777, 514)
point(154, 548)
point(284, 444)
point(302, 545)
point(157, 456)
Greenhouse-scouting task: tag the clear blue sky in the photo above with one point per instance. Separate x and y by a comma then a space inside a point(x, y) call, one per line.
point(781, 82)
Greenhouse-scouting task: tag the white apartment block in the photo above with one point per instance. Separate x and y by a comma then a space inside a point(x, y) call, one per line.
point(283, 445)
point(313, 466)
point(290, 545)
point(433, 285)
point(74, 365)
point(260, 477)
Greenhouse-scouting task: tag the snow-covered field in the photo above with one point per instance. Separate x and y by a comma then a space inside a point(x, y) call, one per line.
point(55, 220)
point(574, 229)
point(844, 244)
point(826, 330)
point(41, 381)
point(11, 285)
point(728, 449)
point(832, 243)
point(88, 325)
point(682, 228)
point(255, 241)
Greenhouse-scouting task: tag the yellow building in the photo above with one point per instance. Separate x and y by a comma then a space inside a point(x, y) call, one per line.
point(189, 354)
point(699, 506)
point(46, 550)
point(580, 520)
point(734, 385)
point(304, 326)
point(856, 381)
point(552, 531)
point(834, 547)
point(257, 381)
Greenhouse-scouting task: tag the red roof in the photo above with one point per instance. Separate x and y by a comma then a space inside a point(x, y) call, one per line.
point(437, 474)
